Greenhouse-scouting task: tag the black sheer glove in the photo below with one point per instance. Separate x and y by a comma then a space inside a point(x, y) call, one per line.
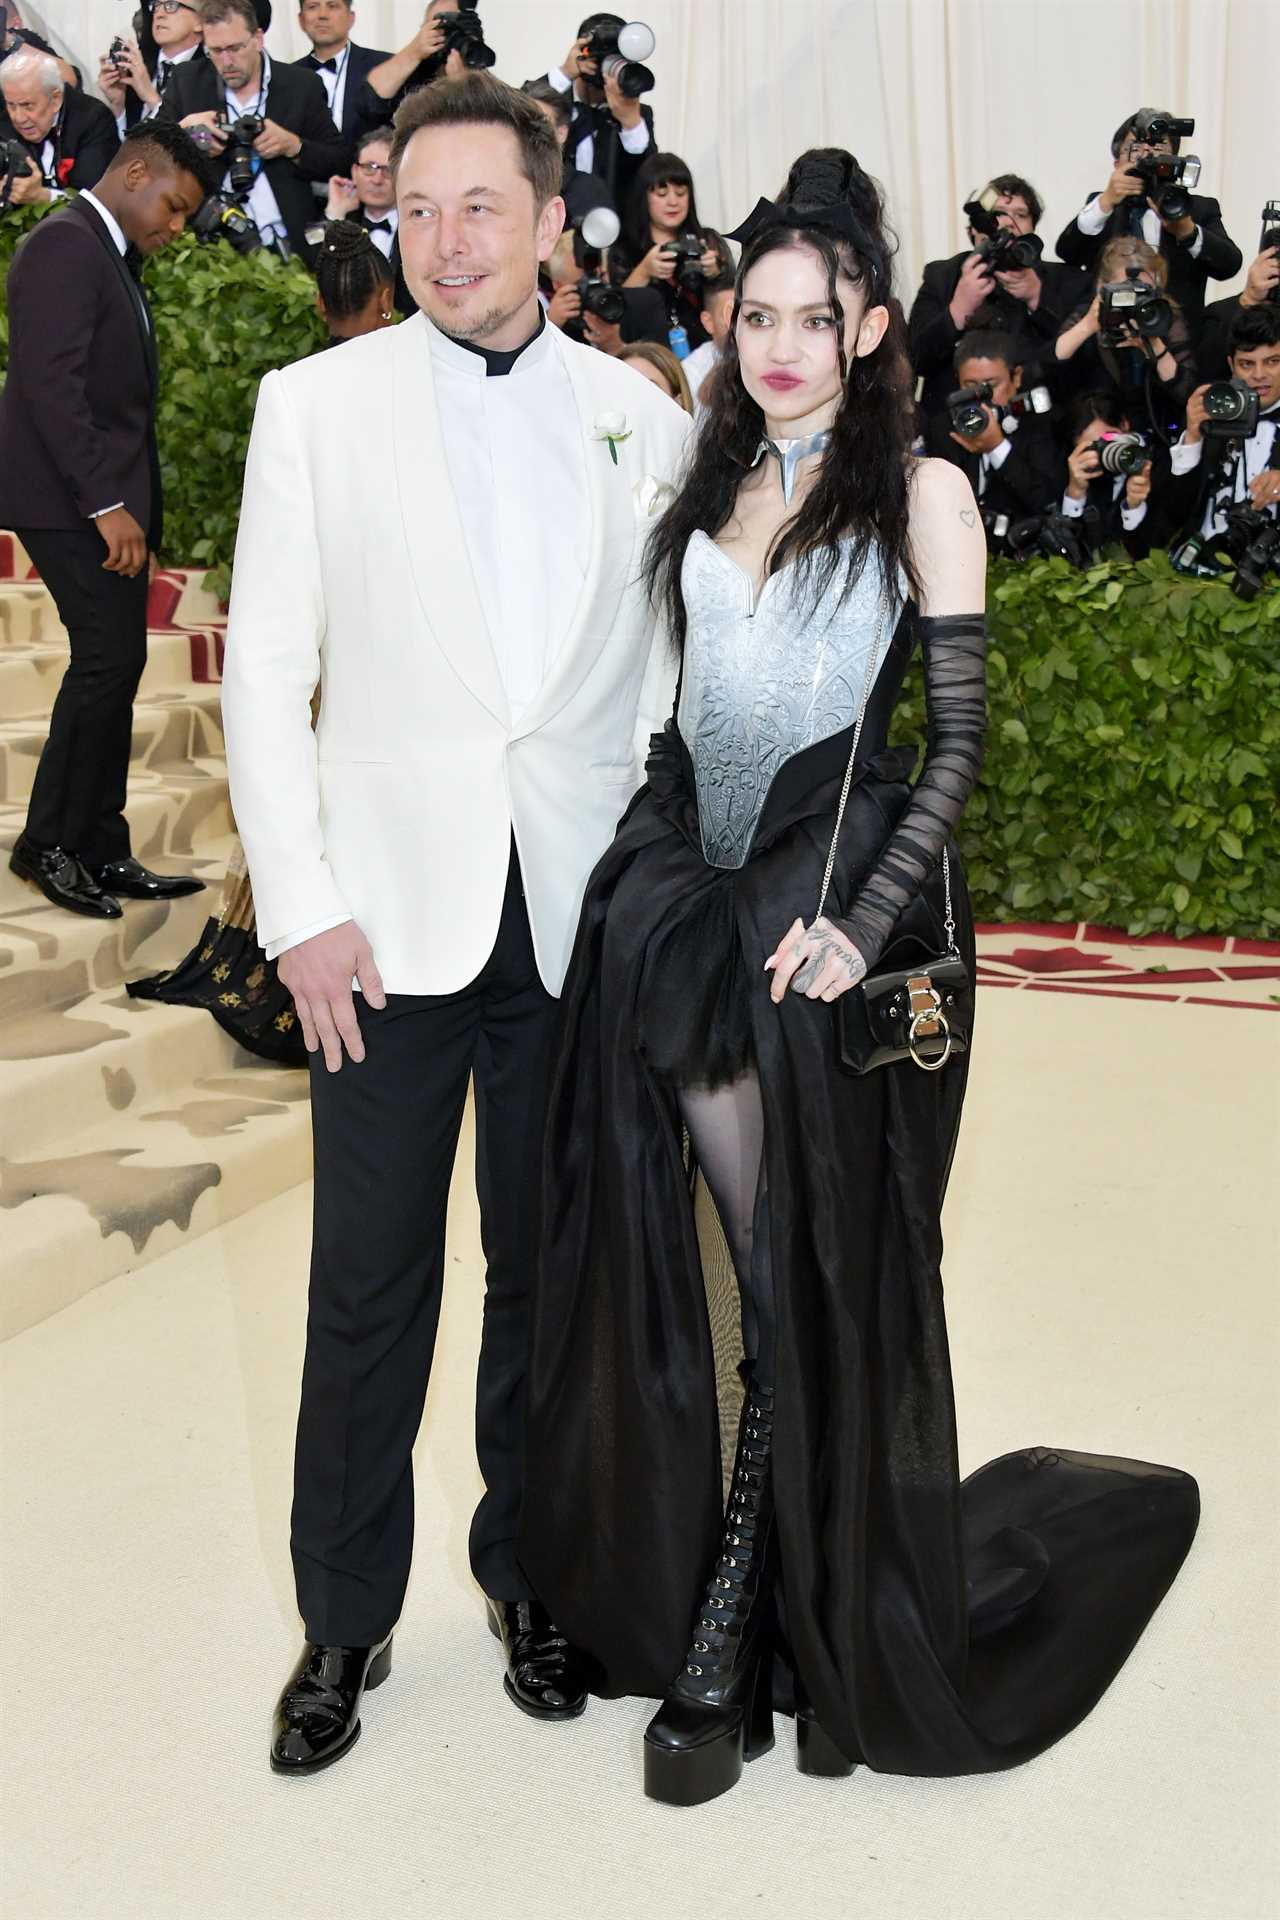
point(954, 650)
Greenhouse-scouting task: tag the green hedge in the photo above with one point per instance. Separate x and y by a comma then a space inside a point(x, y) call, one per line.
point(1134, 731)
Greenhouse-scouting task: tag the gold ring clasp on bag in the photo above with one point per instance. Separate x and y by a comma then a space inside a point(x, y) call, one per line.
point(927, 1021)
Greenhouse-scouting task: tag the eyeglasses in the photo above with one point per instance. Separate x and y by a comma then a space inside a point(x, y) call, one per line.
point(173, 6)
point(373, 166)
point(234, 51)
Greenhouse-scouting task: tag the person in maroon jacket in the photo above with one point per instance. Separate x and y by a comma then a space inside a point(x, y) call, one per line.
point(80, 486)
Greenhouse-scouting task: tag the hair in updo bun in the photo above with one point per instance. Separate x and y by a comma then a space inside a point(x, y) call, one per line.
point(860, 492)
point(349, 270)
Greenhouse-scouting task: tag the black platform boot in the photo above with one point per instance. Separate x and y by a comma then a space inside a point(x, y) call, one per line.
point(719, 1711)
point(816, 1752)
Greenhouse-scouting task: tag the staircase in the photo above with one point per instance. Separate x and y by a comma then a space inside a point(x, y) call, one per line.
point(126, 1127)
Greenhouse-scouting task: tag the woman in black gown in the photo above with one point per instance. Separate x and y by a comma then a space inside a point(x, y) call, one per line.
point(910, 1621)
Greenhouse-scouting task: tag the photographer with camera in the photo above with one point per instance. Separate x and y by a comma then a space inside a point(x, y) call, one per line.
point(581, 192)
point(449, 41)
point(80, 485)
point(340, 65)
point(1261, 288)
point(665, 246)
point(612, 130)
point(1000, 280)
point(132, 85)
point(266, 124)
point(52, 136)
point(1226, 466)
point(1110, 473)
point(367, 199)
point(1149, 197)
point(1130, 334)
point(997, 432)
point(585, 305)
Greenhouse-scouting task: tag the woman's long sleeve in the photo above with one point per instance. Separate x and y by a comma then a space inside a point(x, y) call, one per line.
point(954, 650)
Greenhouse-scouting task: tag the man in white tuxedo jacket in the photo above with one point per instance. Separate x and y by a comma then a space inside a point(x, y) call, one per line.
point(442, 526)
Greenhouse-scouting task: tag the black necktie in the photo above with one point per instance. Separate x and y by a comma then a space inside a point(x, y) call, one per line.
point(162, 75)
point(325, 66)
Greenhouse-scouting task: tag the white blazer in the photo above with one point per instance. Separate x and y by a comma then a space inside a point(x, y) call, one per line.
point(351, 569)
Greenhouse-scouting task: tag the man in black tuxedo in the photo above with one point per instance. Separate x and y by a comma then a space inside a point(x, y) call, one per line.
point(299, 142)
point(1127, 510)
point(368, 198)
point(80, 485)
point(131, 81)
point(1196, 245)
point(69, 137)
point(1212, 473)
point(609, 134)
point(1012, 465)
point(1261, 289)
point(960, 293)
point(341, 66)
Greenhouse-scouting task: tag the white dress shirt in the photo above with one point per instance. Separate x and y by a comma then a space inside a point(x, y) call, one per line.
point(1093, 217)
point(262, 206)
point(384, 241)
point(1185, 456)
point(335, 83)
point(514, 448)
point(989, 463)
point(164, 67)
point(634, 139)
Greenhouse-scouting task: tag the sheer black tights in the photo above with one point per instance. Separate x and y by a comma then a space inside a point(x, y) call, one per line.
point(726, 1129)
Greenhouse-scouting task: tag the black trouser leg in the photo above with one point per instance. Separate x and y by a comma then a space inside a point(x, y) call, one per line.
point(78, 795)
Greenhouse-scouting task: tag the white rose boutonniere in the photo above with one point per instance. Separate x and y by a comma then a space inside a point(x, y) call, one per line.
point(652, 496)
point(612, 428)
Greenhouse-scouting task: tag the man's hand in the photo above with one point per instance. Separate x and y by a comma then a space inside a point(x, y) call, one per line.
point(126, 542)
point(1122, 185)
point(1083, 465)
point(1183, 228)
point(985, 442)
point(111, 85)
point(209, 121)
point(1196, 415)
point(1137, 488)
point(816, 961)
point(565, 305)
point(344, 198)
point(658, 264)
point(318, 973)
point(1024, 284)
point(1263, 277)
point(1264, 488)
point(972, 288)
point(709, 265)
point(277, 143)
point(626, 112)
point(28, 188)
point(430, 38)
point(604, 334)
point(570, 66)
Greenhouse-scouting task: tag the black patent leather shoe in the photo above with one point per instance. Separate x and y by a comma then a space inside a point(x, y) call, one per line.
point(133, 881)
point(544, 1675)
point(63, 879)
point(318, 1714)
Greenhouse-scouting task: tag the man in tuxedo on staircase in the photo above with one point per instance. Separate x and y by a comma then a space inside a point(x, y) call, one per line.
point(490, 673)
point(80, 486)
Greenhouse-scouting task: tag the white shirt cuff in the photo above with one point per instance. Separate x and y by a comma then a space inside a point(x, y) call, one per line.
point(1131, 518)
point(998, 455)
point(275, 948)
point(1092, 218)
point(1184, 455)
point(1073, 509)
point(635, 139)
point(559, 80)
point(99, 511)
point(1196, 244)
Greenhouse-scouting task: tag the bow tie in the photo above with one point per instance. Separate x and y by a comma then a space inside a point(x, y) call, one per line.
point(377, 226)
point(325, 66)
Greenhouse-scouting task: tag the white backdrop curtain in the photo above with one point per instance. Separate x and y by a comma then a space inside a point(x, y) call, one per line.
point(933, 96)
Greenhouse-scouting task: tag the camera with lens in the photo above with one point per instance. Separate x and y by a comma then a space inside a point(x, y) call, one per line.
point(1231, 409)
point(464, 34)
point(1251, 538)
point(605, 301)
point(967, 406)
point(1055, 533)
point(1130, 307)
point(1169, 178)
point(118, 58)
point(238, 155)
point(1000, 249)
point(687, 252)
point(14, 159)
point(1121, 452)
point(1271, 238)
point(220, 217)
point(617, 53)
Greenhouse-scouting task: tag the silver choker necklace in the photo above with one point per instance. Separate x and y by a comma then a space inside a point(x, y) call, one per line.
point(789, 454)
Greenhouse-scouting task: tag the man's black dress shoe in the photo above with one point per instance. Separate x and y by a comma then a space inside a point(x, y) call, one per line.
point(136, 882)
point(544, 1675)
point(318, 1714)
point(63, 879)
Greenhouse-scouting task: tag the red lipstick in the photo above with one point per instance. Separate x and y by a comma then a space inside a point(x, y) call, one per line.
point(782, 382)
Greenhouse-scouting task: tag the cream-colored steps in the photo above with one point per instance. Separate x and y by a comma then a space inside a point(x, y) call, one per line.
point(37, 936)
point(30, 676)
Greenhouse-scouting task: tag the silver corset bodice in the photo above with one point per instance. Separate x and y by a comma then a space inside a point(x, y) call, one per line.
point(764, 678)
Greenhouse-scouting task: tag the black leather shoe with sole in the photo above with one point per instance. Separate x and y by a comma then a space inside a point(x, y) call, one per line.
point(318, 1714)
point(544, 1676)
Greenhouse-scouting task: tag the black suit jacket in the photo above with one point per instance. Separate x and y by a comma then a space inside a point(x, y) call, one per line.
point(361, 108)
point(77, 409)
point(295, 100)
point(1219, 256)
point(932, 334)
point(85, 140)
point(132, 104)
point(1030, 478)
point(1213, 356)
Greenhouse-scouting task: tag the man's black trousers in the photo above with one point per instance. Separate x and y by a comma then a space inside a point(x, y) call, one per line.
point(386, 1132)
point(78, 794)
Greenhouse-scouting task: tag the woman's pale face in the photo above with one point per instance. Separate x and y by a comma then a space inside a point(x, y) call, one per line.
point(786, 338)
point(668, 206)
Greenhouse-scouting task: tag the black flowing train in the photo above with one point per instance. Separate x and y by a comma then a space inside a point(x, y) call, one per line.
point(935, 1626)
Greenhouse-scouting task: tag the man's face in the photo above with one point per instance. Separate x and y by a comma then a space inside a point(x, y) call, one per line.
point(326, 23)
point(175, 24)
point(1005, 380)
point(29, 107)
point(236, 54)
point(158, 201)
point(471, 239)
point(1131, 149)
point(372, 175)
point(1259, 368)
point(1013, 213)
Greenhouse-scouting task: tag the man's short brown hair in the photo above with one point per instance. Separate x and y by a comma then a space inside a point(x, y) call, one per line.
point(477, 99)
point(216, 13)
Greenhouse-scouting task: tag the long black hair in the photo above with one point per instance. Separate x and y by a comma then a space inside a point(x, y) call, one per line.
point(655, 170)
point(860, 491)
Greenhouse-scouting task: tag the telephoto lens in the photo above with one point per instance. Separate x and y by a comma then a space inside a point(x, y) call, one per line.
point(1231, 410)
point(1121, 452)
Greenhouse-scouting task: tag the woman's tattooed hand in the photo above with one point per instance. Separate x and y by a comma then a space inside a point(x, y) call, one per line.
point(817, 961)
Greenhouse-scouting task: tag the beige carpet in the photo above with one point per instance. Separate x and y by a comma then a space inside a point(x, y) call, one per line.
point(1111, 1275)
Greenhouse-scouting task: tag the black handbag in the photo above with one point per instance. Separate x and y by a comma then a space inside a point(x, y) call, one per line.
point(922, 1008)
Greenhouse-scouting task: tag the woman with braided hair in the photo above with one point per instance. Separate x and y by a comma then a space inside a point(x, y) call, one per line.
point(909, 1621)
